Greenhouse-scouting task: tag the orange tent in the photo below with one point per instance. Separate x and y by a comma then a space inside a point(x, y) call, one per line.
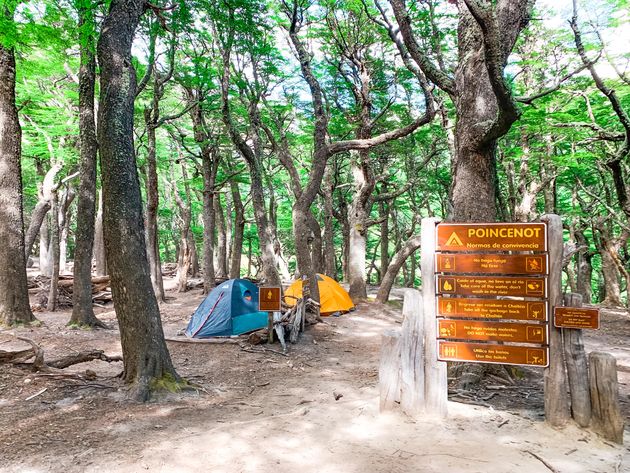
point(333, 297)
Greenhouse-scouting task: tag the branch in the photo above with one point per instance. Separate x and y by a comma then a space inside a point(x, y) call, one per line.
point(433, 73)
point(610, 94)
point(528, 99)
point(367, 143)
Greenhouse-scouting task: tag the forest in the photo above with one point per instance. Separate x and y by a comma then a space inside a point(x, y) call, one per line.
point(197, 141)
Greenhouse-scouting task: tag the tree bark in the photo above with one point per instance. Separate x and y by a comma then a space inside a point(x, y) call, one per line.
point(153, 244)
point(397, 262)
point(51, 306)
point(147, 362)
point(14, 303)
point(100, 262)
point(221, 249)
point(82, 311)
point(239, 229)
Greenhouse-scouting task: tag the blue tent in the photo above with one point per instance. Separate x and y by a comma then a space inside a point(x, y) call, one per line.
point(230, 309)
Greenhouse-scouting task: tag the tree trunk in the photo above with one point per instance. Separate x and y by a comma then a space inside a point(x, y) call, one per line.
point(100, 262)
point(221, 267)
point(147, 362)
point(330, 265)
point(82, 311)
point(54, 254)
point(209, 169)
point(239, 228)
point(67, 197)
point(153, 244)
point(14, 303)
point(397, 262)
point(41, 208)
point(384, 215)
point(584, 284)
point(303, 239)
point(45, 257)
point(611, 277)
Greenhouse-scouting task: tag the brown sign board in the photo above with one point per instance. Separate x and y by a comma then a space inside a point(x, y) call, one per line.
point(269, 299)
point(492, 353)
point(491, 263)
point(492, 331)
point(576, 317)
point(492, 286)
point(491, 309)
point(491, 237)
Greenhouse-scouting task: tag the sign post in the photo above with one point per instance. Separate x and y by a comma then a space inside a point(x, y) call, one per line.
point(269, 300)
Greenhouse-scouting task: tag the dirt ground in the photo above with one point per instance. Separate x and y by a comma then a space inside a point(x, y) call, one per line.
point(268, 413)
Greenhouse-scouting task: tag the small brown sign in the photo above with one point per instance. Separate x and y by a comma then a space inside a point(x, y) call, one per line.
point(492, 286)
point(491, 309)
point(492, 353)
point(576, 317)
point(492, 331)
point(491, 263)
point(491, 237)
point(269, 299)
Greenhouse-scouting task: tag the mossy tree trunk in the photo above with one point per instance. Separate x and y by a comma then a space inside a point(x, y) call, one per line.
point(14, 303)
point(147, 362)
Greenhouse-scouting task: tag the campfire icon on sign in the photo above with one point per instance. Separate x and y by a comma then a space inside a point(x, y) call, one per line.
point(534, 264)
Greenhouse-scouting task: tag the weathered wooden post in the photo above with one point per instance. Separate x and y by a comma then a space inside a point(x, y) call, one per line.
point(577, 367)
point(412, 362)
point(606, 415)
point(435, 376)
point(389, 370)
point(555, 379)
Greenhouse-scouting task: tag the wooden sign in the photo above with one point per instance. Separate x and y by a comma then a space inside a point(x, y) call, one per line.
point(576, 317)
point(491, 263)
point(491, 237)
point(491, 309)
point(269, 299)
point(492, 353)
point(492, 331)
point(492, 286)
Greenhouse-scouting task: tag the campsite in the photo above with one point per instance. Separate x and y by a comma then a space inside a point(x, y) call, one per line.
point(314, 235)
point(265, 412)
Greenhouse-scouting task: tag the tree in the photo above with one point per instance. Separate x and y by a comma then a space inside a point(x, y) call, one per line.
point(147, 362)
point(484, 104)
point(82, 311)
point(14, 303)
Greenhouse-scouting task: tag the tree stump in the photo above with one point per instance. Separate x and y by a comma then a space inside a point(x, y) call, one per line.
point(606, 414)
point(577, 367)
point(389, 370)
point(412, 355)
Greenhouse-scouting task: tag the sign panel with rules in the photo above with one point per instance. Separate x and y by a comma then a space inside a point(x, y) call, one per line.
point(491, 304)
point(490, 263)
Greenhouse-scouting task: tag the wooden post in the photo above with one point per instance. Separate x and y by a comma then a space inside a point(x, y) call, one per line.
point(435, 382)
point(389, 370)
point(577, 367)
point(270, 326)
point(607, 419)
point(412, 364)
point(555, 378)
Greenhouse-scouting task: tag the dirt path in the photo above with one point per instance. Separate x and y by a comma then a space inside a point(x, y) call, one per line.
point(267, 413)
